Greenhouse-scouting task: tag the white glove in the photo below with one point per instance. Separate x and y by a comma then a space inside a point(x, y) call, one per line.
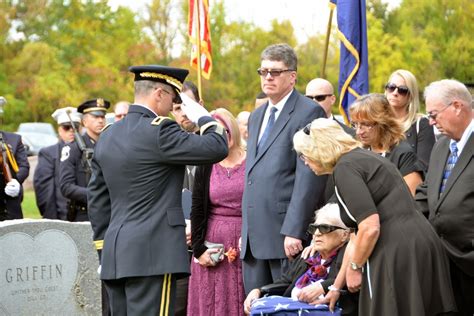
point(12, 188)
point(99, 269)
point(193, 110)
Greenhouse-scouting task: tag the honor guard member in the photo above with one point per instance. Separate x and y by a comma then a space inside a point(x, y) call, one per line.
point(50, 201)
point(15, 169)
point(134, 195)
point(74, 168)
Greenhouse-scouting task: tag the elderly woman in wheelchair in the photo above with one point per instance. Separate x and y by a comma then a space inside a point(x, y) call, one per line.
point(312, 274)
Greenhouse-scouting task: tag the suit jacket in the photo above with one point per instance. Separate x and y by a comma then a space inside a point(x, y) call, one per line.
point(13, 205)
point(134, 196)
point(51, 202)
point(451, 213)
point(281, 193)
point(421, 141)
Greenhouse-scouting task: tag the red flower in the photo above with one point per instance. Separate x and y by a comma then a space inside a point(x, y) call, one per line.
point(231, 254)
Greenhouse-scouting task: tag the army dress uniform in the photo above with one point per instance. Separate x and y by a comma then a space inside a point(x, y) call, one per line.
point(74, 173)
point(10, 207)
point(134, 199)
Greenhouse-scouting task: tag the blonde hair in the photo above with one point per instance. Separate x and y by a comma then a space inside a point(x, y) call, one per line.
point(325, 143)
point(374, 109)
point(413, 105)
point(230, 124)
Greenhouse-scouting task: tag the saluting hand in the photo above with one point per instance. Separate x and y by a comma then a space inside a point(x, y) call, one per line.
point(193, 110)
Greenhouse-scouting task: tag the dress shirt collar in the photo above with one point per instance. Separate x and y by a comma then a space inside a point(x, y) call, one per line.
point(465, 136)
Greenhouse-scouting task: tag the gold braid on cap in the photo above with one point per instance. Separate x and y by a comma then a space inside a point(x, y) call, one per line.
point(172, 81)
point(95, 109)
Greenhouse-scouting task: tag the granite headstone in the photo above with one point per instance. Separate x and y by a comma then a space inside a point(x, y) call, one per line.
point(48, 267)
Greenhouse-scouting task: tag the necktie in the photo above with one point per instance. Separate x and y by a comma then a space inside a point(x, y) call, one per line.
point(453, 157)
point(266, 132)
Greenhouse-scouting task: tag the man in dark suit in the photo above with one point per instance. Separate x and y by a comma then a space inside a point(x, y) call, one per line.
point(280, 193)
point(74, 168)
point(11, 193)
point(447, 195)
point(50, 201)
point(186, 124)
point(321, 92)
point(134, 195)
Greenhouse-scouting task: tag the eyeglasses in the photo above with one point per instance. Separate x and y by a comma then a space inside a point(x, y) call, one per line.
point(307, 129)
point(302, 157)
point(364, 126)
point(391, 87)
point(176, 99)
point(273, 72)
point(67, 128)
point(323, 228)
point(318, 98)
point(432, 116)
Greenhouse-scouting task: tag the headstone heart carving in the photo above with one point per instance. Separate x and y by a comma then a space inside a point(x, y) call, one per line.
point(39, 270)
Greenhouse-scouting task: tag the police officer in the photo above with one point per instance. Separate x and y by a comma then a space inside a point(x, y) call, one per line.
point(50, 201)
point(134, 195)
point(74, 167)
point(16, 161)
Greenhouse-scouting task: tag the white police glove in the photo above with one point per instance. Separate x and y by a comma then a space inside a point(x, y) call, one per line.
point(193, 110)
point(12, 188)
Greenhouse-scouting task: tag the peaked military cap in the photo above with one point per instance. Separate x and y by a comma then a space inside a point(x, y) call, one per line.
point(96, 107)
point(168, 75)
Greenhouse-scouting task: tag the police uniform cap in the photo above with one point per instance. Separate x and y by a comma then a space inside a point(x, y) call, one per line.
point(61, 117)
point(96, 107)
point(173, 77)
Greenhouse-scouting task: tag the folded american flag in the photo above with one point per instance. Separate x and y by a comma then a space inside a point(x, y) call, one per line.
point(286, 306)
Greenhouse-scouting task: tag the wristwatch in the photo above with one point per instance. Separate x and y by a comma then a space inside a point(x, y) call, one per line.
point(355, 266)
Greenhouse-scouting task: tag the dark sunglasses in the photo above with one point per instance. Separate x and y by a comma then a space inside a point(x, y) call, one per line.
point(318, 98)
point(307, 129)
point(391, 87)
point(67, 128)
point(323, 228)
point(273, 72)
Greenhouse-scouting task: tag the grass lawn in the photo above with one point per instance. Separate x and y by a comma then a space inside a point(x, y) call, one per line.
point(30, 210)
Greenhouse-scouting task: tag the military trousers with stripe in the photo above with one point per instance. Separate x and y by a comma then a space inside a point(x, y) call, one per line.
point(151, 295)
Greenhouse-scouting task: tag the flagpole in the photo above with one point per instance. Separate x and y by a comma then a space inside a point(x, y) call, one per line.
point(326, 42)
point(197, 4)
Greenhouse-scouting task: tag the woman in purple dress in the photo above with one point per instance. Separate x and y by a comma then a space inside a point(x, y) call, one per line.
point(215, 285)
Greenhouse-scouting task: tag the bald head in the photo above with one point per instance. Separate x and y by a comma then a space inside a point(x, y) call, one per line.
point(242, 120)
point(323, 90)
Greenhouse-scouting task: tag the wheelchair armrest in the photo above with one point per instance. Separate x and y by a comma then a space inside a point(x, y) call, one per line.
point(273, 289)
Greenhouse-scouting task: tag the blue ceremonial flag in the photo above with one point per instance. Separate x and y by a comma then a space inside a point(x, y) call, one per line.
point(353, 65)
point(286, 306)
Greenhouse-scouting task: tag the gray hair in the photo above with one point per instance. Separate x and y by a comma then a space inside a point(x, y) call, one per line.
point(330, 212)
point(281, 52)
point(448, 89)
point(145, 87)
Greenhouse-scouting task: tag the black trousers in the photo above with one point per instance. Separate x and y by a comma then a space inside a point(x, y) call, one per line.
point(463, 289)
point(259, 272)
point(151, 295)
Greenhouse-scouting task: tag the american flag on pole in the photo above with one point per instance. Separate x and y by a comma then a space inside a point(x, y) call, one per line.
point(199, 13)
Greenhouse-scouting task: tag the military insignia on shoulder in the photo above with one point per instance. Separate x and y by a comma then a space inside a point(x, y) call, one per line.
point(105, 127)
point(159, 120)
point(65, 152)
